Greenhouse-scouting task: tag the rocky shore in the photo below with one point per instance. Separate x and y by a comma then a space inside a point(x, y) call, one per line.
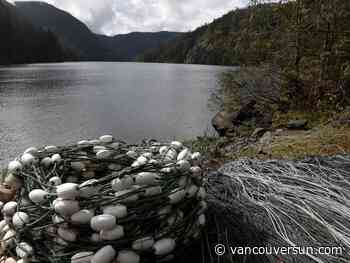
point(251, 133)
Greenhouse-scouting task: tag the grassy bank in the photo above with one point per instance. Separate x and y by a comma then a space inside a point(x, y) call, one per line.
point(265, 96)
point(324, 136)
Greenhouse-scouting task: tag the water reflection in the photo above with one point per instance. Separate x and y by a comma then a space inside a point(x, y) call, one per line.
point(61, 103)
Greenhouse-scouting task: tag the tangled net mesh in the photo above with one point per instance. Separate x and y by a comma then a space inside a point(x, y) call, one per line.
point(103, 200)
point(278, 203)
point(156, 192)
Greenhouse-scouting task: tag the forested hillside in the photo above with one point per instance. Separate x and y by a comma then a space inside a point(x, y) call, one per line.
point(22, 43)
point(253, 34)
point(72, 33)
point(75, 35)
point(309, 41)
point(131, 46)
point(237, 38)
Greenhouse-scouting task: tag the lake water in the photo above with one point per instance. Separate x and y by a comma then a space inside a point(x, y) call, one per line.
point(62, 103)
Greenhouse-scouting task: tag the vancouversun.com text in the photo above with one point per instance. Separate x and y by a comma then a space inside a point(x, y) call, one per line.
point(222, 250)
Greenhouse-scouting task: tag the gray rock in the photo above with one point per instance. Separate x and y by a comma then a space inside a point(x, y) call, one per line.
point(297, 124)
point(279, 131)
point(225, 123)
point(222, 122)
point(265, 144)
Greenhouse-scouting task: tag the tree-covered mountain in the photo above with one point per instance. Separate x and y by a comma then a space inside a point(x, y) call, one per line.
point(308, 42)
point(227, 40)
point(75, 35)
point(23, 43)
point(262, 33)
point(133, 45)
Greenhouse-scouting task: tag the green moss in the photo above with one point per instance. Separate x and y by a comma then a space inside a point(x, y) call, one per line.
point(321, 141)
point(208, 146)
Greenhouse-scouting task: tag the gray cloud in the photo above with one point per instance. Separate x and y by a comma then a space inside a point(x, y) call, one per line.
point(124, 16)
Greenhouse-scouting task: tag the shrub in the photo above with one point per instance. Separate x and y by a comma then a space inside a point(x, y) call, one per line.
point(239, 87)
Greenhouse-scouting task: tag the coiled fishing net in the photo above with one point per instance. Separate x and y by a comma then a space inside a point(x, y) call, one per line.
point(101, 201)
point(279, 203)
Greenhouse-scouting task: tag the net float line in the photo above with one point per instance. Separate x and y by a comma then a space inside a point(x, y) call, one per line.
point(103, 200)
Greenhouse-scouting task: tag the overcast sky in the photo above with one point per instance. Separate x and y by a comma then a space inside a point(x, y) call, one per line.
point(123, 16)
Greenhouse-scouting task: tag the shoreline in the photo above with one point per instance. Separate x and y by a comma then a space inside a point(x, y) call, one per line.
point(327, 139)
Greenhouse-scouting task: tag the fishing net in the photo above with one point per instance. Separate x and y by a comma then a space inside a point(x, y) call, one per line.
point(101, 201)
point(104, 200)
point(273, 204)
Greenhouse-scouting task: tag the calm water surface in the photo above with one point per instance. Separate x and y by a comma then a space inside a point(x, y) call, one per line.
point(61, 103)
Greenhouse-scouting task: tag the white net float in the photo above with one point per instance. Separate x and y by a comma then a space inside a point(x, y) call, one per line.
point(103, 201)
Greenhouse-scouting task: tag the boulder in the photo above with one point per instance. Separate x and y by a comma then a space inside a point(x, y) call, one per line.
point(222, 122)
point(225, 123)
point(247, 112)
point(265, 144)
point(297, 124)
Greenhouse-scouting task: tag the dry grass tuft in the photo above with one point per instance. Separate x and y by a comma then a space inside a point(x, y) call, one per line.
point(323, 141)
